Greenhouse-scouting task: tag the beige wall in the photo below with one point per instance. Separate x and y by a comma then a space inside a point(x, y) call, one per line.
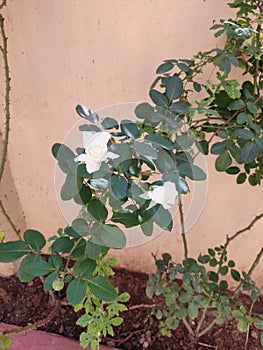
point(98, 53)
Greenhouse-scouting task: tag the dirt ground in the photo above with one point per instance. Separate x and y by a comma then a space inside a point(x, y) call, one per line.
point(26, 303)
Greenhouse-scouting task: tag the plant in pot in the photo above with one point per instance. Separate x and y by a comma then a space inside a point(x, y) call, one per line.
point(132, 173)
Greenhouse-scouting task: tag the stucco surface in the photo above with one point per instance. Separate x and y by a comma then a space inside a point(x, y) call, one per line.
point(100, 53)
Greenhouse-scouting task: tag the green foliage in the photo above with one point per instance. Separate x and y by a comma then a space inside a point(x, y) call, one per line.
point(122, 189)
point(201, 289)
point(100, 318)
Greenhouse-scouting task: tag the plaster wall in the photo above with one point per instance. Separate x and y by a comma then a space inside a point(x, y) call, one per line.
point(100, 53)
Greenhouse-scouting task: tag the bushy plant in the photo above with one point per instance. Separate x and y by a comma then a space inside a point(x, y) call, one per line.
point(130, 173)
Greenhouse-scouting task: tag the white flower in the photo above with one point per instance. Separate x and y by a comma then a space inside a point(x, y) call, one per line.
point(164, 195)
point(96, 150)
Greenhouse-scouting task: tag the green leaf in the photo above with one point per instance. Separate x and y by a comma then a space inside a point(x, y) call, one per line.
point(35, 239)
point(23, 275)
point(102, 288)
point(245, 133)
point(49, 280)
point(110, 123)
point(145, 150)
point(84, 195)
point(118, 186)
point(184, 67)
point(143, 110)
point(147, 227)
point(125, 218)
point(192, 310)
point(163, 218)
point(197, 87)
point(62, 153)
point(242, 118)
point(37, 268)
point(203, 146)
point(231, 263)
point(249, 152)
point(213, 276)
point(62, 245)
point(191, 171)
point(85, 267)
point(241, 178)
point(109, 236)
point(12, 251)
point(242, 325)
point(223, 284)
point(97, 210)
point(130, 129)
point(87, 114)
point(252, 107)
point(76, 291)
point(93, 250)
point(116, 321)
point(259, 324)
point(173, 87)
point(237, 104)
point(232, 170)
point(218, 148)
point(224, 270)
point(159, 141)
point(235, 275)
point(223, 161)
point(80, 226)
point(164, 67)
point(71, 187)
point(204, 259)
point(179, 108)
point(158, 98)
point(165, 161)
point(79, 248)
point(185, 298)
point(55, 261)
point(99, 184)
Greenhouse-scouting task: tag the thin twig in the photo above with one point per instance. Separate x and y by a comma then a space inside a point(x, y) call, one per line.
point(3, 49)
point(252, 268)
point(140, 306)
point(247, 335)
point(10, 221)
point(207, 329)
point(183, 234)
point(119, 342)
point(207, 345)
point(239, 232)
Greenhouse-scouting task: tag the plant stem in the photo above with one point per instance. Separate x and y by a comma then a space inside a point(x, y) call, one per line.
point(203, 316)
point(7, 96)
point(3, 49)
point(207, 329)
point(256, 87)
point(247, 228)
point(252, 268)
point(182, 226)
point(17, 231)
point(248, 329)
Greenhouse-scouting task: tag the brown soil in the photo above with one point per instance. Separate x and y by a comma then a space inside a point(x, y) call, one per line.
point(25, 303)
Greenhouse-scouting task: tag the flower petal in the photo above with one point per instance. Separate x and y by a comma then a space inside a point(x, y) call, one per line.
point(81, 158)
point(88, 137)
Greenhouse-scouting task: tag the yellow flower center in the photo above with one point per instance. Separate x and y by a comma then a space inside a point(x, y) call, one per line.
point(96, 150)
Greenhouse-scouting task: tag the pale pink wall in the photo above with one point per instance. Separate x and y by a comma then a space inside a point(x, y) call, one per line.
point(100, 53)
